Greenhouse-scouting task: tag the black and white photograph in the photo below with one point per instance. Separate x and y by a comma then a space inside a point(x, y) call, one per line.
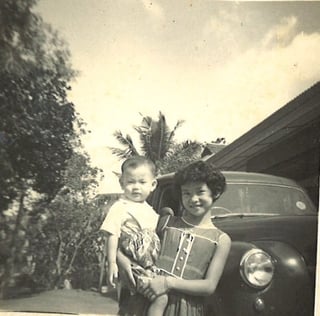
point(159, 157)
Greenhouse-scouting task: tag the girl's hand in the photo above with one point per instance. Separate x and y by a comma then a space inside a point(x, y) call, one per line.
point(153, 288)
point(125, 265)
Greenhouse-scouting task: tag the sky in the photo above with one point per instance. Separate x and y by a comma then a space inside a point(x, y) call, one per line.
point(221, 66)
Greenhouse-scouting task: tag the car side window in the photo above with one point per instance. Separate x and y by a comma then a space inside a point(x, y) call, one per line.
point(232, 199)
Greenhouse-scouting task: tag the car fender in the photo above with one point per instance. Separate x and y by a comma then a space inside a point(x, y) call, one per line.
point(291, 283)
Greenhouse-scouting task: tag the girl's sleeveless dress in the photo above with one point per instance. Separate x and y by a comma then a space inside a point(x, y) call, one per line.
point(186, 252)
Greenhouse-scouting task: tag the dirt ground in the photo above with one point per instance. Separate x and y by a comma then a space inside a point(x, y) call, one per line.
point(61, 302)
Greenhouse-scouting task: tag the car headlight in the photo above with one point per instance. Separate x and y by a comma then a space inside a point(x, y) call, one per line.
point(257, 268)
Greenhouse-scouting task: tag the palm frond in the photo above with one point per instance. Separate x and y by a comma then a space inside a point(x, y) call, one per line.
point(144, 131)
point(146, 121)
point(163, 129)
point(146, 143)
point(121, 153)
point(156, 138)
point(160, 137)
point(120, 138)
point(126, 141)
point(178, 124)
point(169, 143)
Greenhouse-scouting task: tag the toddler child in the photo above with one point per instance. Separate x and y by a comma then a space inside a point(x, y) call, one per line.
point(131, 222)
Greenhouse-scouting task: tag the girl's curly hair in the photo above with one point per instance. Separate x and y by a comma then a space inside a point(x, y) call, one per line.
point(201, 171)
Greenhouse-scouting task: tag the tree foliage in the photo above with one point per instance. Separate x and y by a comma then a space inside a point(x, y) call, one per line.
point(156, 139)
point(158, 144)
point(37, 121)
point(55, 238)
point(67, 225)
point(39, 133)
point(126, 142)
point(181, 155)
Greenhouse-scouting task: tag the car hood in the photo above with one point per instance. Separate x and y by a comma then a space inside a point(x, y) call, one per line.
point(298, 231)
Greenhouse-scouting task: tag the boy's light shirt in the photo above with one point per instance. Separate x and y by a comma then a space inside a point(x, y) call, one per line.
point(119, 212)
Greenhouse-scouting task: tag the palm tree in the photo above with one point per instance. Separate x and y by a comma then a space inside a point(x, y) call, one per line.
point(182, 154)
point(156, 137)
point(126, 141)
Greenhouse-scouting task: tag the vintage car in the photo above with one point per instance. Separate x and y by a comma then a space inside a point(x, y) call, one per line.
point(273, 226)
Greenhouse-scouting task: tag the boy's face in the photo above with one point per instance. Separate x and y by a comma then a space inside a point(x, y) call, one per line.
point(137, 183)
point(196, 198)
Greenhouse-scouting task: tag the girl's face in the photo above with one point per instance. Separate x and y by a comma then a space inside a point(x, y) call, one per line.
point(196, 198)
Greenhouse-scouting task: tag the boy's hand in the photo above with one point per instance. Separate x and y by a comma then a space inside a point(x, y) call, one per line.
point(112, 274)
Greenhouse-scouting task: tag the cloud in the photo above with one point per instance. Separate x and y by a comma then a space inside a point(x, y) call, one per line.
point(281, 34)
point(226, 32)
point(260, 81)
point(153, 9)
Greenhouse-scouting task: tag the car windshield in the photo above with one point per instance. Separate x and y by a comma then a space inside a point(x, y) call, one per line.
point(261, 199)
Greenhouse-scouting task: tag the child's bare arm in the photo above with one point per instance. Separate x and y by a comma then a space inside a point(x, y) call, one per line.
point(112, 246)
point(125, 265)
point(203, 287)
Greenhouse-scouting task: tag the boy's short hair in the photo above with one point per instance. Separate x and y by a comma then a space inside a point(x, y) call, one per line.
point(201, 171)
point(137, 161)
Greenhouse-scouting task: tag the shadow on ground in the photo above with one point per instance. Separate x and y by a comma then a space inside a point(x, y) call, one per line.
point(63, 301)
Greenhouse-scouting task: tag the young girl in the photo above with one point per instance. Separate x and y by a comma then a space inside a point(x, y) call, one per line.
point(193, 251)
